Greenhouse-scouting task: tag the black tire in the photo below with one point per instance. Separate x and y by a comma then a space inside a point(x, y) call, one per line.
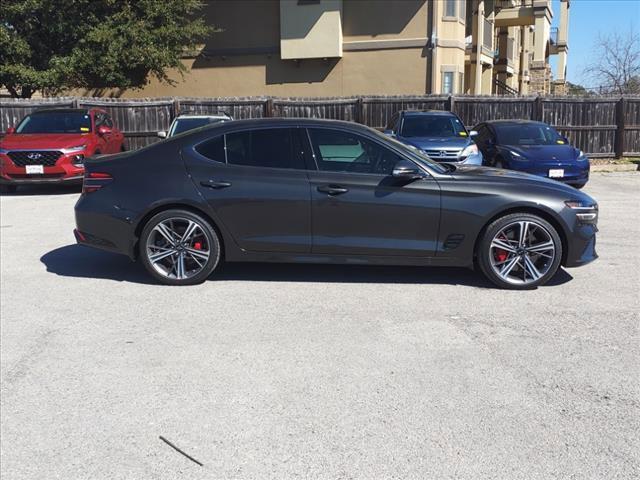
point(209, 235)
point(4, 188)
point(498, 163)
point(484, 251)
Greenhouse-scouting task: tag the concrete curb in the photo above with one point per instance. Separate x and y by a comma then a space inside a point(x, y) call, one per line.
point(613, 167)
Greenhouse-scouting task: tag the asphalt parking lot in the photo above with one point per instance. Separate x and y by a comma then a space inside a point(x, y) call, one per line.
point(298, 371)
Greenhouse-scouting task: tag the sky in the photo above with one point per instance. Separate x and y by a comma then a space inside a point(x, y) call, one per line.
point(586, 19)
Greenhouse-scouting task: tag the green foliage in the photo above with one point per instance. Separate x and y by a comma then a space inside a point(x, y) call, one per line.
point(52, 45)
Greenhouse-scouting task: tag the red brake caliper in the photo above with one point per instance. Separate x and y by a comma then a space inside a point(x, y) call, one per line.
point(501, 255)
point(197, 246)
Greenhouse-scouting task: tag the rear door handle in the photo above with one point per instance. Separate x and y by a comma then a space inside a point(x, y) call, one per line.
point(215, 184)
point(332, 189)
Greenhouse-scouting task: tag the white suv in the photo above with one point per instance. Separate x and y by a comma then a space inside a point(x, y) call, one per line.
point(183, 123)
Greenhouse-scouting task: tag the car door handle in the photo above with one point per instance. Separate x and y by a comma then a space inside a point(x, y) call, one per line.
point(215, 184)
point(332, 189)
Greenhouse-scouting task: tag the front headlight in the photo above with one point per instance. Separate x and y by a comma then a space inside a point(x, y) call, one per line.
point(77, 148)
point(587, 213)
point(469, 150)
point(516, 155)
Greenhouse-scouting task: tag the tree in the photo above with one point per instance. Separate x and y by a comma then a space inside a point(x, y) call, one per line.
point(53, 45)
point(616, 63)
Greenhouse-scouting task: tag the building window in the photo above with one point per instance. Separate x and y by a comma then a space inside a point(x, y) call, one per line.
point(447, 82)
point(462, 10)
point(450, 8)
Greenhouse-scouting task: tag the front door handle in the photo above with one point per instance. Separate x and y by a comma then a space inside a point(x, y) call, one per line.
point(332, 189)
point(215, 184)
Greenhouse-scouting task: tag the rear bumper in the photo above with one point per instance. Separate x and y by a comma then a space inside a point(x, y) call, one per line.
point(40, 180)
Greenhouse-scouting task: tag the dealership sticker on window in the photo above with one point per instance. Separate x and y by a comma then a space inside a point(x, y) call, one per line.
point(463, 134)
point(34, 169)
point(84, 129)
point(561, 142)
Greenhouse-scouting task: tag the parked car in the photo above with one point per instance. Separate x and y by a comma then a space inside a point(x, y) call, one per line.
point(532, 147)
point(439, 134)
point(302, 190)
point(183, 123)
point(50, 146)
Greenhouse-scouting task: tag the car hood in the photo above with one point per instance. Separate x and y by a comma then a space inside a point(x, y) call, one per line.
point(505, 177)
point(546, 153)
point(429, 143)
point(35, 141)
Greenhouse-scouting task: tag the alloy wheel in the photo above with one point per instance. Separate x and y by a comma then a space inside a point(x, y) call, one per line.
point(178, 248)
point(522, 252)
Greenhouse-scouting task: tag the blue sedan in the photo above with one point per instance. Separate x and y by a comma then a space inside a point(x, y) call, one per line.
point(532, 147)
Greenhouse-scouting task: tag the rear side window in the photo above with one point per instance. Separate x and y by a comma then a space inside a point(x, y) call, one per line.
point(269, 148)
point(212, 149)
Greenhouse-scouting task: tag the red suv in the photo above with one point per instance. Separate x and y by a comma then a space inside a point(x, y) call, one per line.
point(49, 146)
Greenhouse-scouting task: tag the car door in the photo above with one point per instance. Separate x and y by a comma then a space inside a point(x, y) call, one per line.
point(358, 207)
point(103, 141)
point(256, 183)
point(116, 137)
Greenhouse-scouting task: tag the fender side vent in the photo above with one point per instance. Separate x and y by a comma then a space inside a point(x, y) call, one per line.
point(453, 241)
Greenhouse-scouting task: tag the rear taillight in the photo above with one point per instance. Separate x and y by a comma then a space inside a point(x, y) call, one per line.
point(95, 181)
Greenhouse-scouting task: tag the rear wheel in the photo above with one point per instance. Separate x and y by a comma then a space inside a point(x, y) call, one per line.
point(520, 251)
point(178, 247)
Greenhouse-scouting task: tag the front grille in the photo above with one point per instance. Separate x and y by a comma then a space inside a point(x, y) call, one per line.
point(22, 158)
point(443, 155)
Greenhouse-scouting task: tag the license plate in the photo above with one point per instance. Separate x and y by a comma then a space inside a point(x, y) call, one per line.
point(556, 173)
point(35, 169)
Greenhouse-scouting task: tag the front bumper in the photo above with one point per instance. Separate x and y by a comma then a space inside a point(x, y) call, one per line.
point(581, 246)
point(64, 171)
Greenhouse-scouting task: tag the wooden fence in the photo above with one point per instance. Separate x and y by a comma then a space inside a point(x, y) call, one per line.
point(601, 126)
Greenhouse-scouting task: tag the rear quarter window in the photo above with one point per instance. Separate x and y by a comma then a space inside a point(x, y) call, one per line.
point(213, 149)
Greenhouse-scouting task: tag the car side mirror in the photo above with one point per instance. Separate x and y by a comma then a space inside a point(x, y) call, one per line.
point(10, 130)
point(390, 133)
point(103, 130)
point(162, 134)
point(473, 133)
point(406, 170)
point(566, 140)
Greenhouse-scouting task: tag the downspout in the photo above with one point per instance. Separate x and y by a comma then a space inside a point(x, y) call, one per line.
point(432, 42)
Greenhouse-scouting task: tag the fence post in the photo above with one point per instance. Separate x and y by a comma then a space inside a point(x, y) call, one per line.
point(538, 109)
point(360, 110)
point(175, 112)
point(268, 107)
point(620, 124)
point(450, 103)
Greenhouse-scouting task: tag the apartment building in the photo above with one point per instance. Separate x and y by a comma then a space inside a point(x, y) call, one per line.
point(374, 47)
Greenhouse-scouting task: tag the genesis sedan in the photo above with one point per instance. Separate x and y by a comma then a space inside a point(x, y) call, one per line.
point(323, 191)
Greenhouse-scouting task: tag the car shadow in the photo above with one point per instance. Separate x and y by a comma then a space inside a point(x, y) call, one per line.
point(30, 190)
point(84, 262)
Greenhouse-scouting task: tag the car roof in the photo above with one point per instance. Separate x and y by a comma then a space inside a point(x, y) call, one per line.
point(513, 122)
point(443, 113)
point(60, 110)
point(218, 115)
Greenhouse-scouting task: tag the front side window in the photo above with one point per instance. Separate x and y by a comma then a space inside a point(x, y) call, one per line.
point(269, 148)
point(440, 126)
point(55, 122)
point(337, 151)
point(528, 134)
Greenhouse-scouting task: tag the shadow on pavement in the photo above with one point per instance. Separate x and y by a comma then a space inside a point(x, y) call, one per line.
point(85, 262)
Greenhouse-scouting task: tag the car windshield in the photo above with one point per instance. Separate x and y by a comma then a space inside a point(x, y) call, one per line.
point(184, 124)
point(528, 134)
point(415, 154)
point(432, 126)
point(55, 122)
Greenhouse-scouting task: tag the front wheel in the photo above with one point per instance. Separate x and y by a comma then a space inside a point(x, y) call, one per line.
point(520, 251)
point(178, 247)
